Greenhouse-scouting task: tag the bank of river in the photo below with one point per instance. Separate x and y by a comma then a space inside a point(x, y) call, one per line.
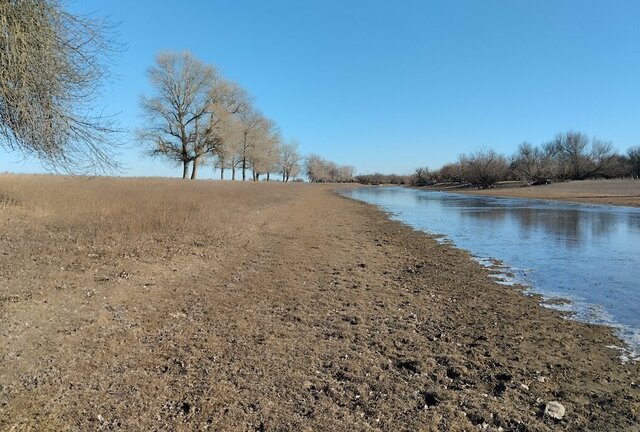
point(618, 192)
point(582, 253)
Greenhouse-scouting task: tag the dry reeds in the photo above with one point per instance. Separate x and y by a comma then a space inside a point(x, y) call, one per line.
point(133, 211)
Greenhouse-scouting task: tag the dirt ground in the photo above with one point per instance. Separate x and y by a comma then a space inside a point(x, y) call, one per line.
point(608, 192)
point(154, 304)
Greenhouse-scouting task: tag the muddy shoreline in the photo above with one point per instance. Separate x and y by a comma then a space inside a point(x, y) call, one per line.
point(301, 310)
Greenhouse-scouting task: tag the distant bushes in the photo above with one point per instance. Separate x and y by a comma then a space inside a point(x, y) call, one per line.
point(568, 156)
point(378, 179)
point(421, 177)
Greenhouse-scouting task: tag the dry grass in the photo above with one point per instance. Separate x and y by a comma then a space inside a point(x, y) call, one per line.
point(129, 211)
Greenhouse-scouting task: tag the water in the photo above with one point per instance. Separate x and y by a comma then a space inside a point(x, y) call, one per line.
point(587, 254)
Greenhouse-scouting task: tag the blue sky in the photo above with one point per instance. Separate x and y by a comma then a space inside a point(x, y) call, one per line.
point(389, 86)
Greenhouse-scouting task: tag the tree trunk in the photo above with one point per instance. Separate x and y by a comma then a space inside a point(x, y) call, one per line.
point(194, 171)
point(185, 169)
point(244, 157)
point(283, 176)
point(233, 173)
point(267, 176)
point(221, 173)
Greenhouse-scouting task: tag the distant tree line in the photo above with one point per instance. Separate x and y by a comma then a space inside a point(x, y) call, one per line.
point(568, 156)
point(319, 170)
point(196, 117)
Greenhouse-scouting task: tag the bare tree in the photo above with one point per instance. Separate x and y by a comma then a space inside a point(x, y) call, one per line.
point(264, 154)
point(222, 135)
point(251, 122)
point(485, 167)
point(633, 154)
point(531, 164)
point(619, 167)
point(289, 161)
point(569, 150)
point(316, 169)
point(601, 157)
point(577, 157)
point(451, 172)
point(179, 113)
point(421, 177)
point(52, 68)
point(462, 168)
point(229, 150)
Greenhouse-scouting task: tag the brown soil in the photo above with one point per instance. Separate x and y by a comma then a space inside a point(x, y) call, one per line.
point(168, 305)
point(609, 192)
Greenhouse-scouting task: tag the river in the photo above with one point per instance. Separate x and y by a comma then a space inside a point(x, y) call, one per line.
point(584, 259)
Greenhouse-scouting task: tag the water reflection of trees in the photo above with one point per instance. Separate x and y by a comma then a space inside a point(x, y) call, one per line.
point(570, 226)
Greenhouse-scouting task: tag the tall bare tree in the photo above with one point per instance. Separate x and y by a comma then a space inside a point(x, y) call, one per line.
point(264, 154)
point(289, 161)
point(179, 113)
point(52, 68)
point(227, 152)
point(251, 122)
point(227, 99)
point(577, 157)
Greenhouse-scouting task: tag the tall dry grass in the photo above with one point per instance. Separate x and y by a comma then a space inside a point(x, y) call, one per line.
point(134, 211)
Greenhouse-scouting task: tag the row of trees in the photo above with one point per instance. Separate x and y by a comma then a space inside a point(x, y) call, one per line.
point(196, 117)
point(319, 170)
point(568, 156)
point(53, 65)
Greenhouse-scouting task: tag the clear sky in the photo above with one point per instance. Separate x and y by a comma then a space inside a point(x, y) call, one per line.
point(391, 85)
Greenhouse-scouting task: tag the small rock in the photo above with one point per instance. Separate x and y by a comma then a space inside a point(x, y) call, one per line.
point(555, 410)
point(541, 379)
point(524, 387)
point(100, 418)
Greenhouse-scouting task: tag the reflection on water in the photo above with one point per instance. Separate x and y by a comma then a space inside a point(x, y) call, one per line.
point(586, 253)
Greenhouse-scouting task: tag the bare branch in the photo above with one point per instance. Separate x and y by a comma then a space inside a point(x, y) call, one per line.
point(52, 68)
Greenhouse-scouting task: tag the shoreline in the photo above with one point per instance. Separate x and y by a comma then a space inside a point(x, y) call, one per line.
point(495, 266)
point(300, 309)
point(625, 193)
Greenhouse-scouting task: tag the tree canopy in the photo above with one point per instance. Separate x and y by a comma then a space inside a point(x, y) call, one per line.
point(52, 68)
